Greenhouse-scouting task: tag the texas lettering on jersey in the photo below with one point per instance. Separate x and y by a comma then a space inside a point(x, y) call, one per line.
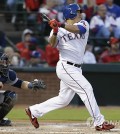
point(72, 36)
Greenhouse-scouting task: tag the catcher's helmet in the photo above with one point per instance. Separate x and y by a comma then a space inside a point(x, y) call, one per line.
point(70, 11)
point(4, 64)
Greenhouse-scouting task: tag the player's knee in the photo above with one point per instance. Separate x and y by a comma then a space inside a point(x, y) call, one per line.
point(8, 101)
point(87, 92)
point(89, 88)
point(64, 101)
point(10, 97)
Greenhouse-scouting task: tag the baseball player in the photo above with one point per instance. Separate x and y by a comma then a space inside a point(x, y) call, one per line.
point(71, 39)
point(8, 98)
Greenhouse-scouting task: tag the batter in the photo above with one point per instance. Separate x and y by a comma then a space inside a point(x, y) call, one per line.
point(71, 39)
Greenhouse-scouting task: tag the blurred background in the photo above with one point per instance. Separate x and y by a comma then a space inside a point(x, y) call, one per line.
point(24, 36)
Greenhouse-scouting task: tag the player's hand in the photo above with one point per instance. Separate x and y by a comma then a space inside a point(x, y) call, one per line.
point(54, 25)
point(1, 85)
point(38, 84)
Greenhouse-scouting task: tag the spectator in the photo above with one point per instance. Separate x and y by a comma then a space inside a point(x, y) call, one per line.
point(112, 9)
point(14, 57)
point(52, 55)
point(51, 12)
point(49, 9)
point(24, 44)
point(32, 7)
point(37, 55)
point(59, 7)
point(89, 57)
point(88, 8)
point(15, 13)
point(10, 4)
point(118, 22)
point(10, 7)
point(102, 25)
point(99, 2)
point(111, 54)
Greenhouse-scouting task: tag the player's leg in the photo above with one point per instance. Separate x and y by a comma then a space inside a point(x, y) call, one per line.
point(91, 104)
point(38, 110)
point(77, 82)
point(63, 99)
point(7, 101)
point(85, 91)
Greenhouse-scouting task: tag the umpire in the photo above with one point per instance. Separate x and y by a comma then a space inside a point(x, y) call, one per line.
point(8, 98)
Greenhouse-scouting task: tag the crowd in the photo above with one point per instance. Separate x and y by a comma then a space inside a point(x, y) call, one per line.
point(102, 15)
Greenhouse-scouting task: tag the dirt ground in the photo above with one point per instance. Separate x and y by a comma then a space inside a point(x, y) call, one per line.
point(25, 127)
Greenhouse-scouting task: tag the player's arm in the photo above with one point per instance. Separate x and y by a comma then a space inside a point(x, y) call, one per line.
point(53, 36)
point(53, 40)
point(34, 85)
point(16, 82)
point(75, 28)
point(25, 85)
point(80, 28)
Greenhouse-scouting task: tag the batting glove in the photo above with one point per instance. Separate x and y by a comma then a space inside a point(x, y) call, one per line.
point(54, 25)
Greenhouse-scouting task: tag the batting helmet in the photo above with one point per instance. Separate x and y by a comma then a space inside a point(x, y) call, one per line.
point(70, 11)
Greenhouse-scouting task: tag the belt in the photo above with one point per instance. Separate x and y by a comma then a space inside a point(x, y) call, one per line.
point(73, 64)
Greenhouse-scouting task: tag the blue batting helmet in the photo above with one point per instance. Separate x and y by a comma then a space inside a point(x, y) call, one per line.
point(70, 11)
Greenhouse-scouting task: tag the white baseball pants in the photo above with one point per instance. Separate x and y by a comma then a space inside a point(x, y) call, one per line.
point(72, 81)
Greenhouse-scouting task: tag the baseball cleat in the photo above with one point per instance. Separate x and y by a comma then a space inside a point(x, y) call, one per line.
point(32, 118)
point(105, 126)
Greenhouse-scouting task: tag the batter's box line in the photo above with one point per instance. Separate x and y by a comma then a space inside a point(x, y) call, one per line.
point(66, 133)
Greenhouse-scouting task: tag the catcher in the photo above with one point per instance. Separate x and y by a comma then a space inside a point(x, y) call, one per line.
point(8, 98)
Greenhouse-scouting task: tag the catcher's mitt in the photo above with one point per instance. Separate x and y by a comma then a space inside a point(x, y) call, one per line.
point(38, 84)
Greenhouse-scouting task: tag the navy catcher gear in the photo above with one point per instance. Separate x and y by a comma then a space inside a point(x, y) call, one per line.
point(70, 11)
point(5, 122)
point(4, 64)
point(7, 101)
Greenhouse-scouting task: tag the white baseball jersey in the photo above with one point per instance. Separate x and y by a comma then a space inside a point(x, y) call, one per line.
point(71, 46)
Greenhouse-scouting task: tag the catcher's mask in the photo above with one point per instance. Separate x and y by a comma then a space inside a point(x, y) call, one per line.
point(4, 64)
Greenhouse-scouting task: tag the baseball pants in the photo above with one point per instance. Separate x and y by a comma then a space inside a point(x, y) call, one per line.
point(72, 81)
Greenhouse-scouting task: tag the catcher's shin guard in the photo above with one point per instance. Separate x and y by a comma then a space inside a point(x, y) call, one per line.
point(7, 101)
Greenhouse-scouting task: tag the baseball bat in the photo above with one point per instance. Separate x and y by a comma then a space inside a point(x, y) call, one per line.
point(44, 16)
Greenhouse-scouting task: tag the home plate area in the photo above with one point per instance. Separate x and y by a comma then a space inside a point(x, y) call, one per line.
point(24, 127)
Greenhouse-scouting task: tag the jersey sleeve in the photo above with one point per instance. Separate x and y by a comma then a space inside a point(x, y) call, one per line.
point(13, 79)
point(83, 26)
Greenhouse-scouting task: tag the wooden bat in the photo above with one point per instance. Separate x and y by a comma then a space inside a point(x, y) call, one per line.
point(44, 16)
